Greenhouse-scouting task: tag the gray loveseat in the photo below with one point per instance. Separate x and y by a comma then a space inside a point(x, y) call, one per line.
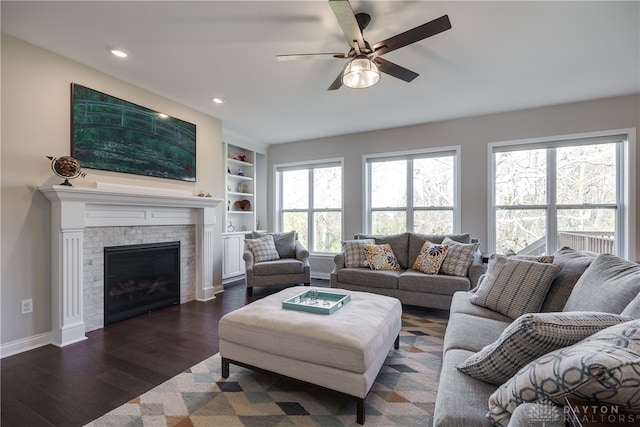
point(408, 285)
point(587, 283)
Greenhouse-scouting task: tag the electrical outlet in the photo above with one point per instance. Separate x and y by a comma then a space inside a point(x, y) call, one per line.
point(26, 306)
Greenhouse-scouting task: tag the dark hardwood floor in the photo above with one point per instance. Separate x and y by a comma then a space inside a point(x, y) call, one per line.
point(73, 385)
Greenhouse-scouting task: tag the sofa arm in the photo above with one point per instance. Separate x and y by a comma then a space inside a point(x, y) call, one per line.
point(338, 260)
point(302, 253)
point(247, 256)
point(477, 269)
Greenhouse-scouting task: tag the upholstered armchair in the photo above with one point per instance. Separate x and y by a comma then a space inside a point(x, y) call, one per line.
point(275, 259)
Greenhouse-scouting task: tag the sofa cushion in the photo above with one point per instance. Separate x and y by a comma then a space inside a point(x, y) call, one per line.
point(354, 254)
point(459, 257)
point(263, 248)
point(285, 242)
point(461, 400)
point(602, 367)
point(573, 263)
point(279, 266)
point(399, 244)
point(365, 277)
point(381, 257)
point(415, 281)
point(514, 287)
point(609, 284)
point(529, 337)
point(484, 331)
point(416, 240)
point(430, 258)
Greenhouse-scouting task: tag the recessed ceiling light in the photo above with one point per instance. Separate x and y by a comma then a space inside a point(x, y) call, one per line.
point(217, 100)
point(119, 53)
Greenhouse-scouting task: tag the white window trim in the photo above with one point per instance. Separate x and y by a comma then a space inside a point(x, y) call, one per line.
point(457, 161)
point(277, 205)
point(627, 187)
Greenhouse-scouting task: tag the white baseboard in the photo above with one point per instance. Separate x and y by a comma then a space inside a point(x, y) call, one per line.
point(25, 344)
point(321, 276)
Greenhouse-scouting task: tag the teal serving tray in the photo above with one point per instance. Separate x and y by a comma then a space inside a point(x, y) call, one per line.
point(327, 302)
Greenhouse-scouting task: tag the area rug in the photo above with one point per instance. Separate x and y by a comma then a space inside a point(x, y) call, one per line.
point(403, 395)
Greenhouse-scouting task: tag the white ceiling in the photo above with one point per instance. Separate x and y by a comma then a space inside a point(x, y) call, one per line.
point(499, 56)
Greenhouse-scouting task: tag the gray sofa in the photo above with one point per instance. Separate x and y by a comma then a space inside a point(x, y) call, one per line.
point(409, 286)
point(587, 282)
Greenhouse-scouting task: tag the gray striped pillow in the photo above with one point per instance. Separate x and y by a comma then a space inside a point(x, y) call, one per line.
point(354, 254)
point(459, 257)
point(514, 287)
point(531, 336)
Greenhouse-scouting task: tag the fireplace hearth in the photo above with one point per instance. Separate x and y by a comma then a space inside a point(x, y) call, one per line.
point(140, 279)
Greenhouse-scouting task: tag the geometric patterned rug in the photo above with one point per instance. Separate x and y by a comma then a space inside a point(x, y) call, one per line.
point(403, 395)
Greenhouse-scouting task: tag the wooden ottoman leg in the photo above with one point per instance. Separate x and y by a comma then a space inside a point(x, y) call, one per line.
point(396, 344)
point(225, 367)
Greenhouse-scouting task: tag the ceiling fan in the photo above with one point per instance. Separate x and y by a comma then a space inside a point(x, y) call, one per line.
point(365, 62)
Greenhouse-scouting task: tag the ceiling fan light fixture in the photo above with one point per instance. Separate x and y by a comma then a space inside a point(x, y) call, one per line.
point(360, 73)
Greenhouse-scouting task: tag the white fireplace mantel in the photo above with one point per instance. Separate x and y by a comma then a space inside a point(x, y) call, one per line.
point(75, 208)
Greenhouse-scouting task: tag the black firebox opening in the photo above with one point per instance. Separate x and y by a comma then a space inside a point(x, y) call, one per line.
point(140, 279)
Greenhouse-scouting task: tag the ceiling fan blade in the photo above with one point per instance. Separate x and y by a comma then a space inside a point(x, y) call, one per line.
point(348, 23)
point(395, 70)
point(418, 33)
point(305, 56)
point(337, 83)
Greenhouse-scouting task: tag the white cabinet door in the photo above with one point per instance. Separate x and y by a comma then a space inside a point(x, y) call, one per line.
point(233, 263)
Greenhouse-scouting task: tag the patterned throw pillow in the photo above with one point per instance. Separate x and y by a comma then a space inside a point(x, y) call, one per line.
point(459, 257)
point(381, 257)
point(263, 248)
point(603, 367)
point(531, 336)
point(514, 287)
point(354, 254)
point(430, 258)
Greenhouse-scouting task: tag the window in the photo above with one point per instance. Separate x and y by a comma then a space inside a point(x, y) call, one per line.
point(310, 202)
point(571, 191)
point(415, 191)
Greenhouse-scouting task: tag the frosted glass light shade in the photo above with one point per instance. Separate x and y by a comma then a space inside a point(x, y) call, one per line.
point(360, 72)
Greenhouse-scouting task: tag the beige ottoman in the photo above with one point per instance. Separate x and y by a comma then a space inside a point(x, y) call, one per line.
point(343, 351)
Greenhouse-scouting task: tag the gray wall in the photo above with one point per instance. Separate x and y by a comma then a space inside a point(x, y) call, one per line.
point(472, 134)
point(36, 123)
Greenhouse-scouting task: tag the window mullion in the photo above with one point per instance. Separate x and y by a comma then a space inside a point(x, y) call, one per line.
point(409, 208)
point(310, 212)
point(552, 201)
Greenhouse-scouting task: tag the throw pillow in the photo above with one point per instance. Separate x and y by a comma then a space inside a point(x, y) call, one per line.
point(609, 284)
point(285, 242)
point(531, 336)
point(263, 248)
point(514, 287)
point(573, 263)
point(430, 258)
point(603, 367)
point(381, 257)
point(399, 244)
point(354, 254)
point(633, 309)
point(459, 257)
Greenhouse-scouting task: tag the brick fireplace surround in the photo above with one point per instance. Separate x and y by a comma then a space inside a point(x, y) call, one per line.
point(80, 213)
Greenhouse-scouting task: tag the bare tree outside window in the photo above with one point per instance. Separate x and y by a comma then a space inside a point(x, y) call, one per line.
point(568, 191)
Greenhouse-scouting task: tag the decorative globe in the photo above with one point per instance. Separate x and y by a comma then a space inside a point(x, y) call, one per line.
point(66, 167)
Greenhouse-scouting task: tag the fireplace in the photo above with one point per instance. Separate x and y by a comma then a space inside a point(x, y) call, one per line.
point(140, 278)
